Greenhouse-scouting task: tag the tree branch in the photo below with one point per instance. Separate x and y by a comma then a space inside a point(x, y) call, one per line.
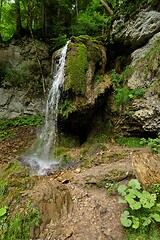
point(106, 6)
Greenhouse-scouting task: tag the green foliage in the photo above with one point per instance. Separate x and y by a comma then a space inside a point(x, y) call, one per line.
point(143, 207)
point(76, 69)
point(124, 95)
point(6, 124)
point(66, 107)
point(14, 178)
point(154, 144)
point(111, 187)
point(59, 41)
point(19, 225)
point(91, 21)
point(129, 141)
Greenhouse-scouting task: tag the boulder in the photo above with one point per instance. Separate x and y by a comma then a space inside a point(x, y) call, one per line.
point(85, 82)
point(139, 115)
point(146, 167)
point(51, 198)
point(137, 31)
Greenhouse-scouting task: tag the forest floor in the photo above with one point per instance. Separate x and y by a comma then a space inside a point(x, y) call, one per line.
point(95, 210)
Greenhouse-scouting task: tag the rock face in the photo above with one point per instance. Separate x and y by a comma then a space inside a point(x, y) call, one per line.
point(137, 31)
point(140, 91)
point(146, 76)
point(14, 102)
point(22, 64)
point(85, 82)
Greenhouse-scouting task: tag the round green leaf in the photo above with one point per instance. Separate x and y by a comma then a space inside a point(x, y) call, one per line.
point(125, 221)
point(156, 217)
point(135, 222)
point(3, 211)
point(133, 183)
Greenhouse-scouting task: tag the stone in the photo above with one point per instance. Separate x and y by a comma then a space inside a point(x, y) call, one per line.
point(137, 31)
point(140, 52)
point(146, 167)
point(51, 198)
point(145, 75)
point(85, 83)
point(14, 102)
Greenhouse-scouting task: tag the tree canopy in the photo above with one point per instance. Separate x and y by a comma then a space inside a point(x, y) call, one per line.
point(56, 18)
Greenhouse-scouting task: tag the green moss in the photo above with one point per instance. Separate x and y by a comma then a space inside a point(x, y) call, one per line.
point(76, 69)
point(18, 226)
point(14, 179)
point(129, 141)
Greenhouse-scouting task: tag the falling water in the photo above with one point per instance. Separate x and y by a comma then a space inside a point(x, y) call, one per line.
point(41, 158)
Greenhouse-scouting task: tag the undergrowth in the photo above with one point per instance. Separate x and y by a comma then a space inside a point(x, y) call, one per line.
point(7, 125)
point(142, 217)
point(16, 218)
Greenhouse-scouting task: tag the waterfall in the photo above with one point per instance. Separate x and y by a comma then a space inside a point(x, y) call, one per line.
point(40, 159)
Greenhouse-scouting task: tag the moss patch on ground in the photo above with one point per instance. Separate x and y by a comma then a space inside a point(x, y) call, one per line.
point(19, 217)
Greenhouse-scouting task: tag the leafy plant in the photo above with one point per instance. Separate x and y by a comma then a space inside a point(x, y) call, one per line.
point(111, 187)
point(3, 212)
point(143, 208)
point(19, 225)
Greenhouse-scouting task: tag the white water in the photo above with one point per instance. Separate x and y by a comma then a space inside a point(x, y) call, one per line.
point(41, 160)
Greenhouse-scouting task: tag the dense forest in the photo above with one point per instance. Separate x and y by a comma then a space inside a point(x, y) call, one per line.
point(59, 19)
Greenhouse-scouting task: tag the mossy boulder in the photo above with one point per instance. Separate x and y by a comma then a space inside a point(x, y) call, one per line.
point(85, 81)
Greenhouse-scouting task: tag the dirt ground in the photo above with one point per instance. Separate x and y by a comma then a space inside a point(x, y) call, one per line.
point(95, 210)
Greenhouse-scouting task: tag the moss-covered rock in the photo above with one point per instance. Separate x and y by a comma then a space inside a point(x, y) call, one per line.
point(85, 81)
point(28, 203)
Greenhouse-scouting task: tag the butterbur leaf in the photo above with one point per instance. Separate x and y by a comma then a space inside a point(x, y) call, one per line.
point(135, 221)
point(147, 200)
point(3, 211)
point(125, 221)
point(158, 207)
point(134, 205)
point(122, 201)
point(147, 221)
point(156, 217)
point(122, 190)
point(133, 183)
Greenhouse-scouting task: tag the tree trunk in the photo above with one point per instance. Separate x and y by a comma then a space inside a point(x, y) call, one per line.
point(76, 5)
point(106, 6)
point(1, 19)
point(18, 18)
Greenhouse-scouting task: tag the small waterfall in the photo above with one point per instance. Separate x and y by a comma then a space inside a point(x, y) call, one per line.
point(41, 160)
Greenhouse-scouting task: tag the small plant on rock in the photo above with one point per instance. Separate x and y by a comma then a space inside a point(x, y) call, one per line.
point(143, 208)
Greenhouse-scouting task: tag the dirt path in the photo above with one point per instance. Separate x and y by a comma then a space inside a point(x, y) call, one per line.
point(95, 211)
